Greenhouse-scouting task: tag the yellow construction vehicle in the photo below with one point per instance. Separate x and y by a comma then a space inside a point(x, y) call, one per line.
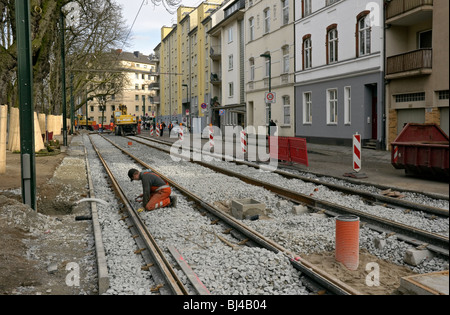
point(81, 121)
point(124, 124)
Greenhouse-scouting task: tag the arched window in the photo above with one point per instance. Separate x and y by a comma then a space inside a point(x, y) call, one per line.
point(332, 44)
point(307, 52)
point(252, 69)
point(363, 34)
point(285, 51)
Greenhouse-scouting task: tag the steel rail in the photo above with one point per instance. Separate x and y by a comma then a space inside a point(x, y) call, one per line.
point(323, 278)
point(368, 195)
point(436, 242)
point(172, 280)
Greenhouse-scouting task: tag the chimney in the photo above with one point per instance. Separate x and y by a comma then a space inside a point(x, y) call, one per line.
point(136, 54)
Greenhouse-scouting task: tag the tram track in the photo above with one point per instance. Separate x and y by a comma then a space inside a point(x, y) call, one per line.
point(417, 237)
point(136, 148)
point(319, 280)
point(157, 264)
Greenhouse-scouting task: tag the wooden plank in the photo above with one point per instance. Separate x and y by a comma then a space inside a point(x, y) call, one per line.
point(192, 276)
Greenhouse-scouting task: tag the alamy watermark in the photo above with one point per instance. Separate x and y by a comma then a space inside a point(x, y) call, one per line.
point(230, 146)
point(73, 277)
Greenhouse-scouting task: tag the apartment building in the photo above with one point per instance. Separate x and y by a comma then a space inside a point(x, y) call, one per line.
point(227, 55)
point(138, 94)
point(269, 64)
point(339, 71)
point(183, 59)
point(417, 63)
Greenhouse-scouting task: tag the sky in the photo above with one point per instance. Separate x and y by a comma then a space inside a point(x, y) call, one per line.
point(146, 32)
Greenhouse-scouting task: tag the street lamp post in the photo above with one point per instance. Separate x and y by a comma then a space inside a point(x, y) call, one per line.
point(268, 56)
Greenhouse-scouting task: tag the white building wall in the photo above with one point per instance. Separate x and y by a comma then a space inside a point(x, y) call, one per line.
point(343, 13)
point(230, 48)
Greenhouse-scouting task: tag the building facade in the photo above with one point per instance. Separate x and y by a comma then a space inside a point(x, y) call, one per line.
point(417, 64)
point(138, 94)
point(270, 53)
point(339, 71)
point(183, 66)
point(227, 55)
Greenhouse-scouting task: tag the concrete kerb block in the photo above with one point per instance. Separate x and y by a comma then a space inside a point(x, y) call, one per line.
point(299, 209)
point(379, 242)
point(243, 208)
point(415, 257)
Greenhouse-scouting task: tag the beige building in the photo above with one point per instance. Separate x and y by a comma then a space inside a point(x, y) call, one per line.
point(137, 95)
point(269, 31)
point(183, 54)
point(417, 64)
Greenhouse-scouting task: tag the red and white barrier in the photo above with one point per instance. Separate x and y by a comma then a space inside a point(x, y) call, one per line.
point(357, 152)
point(244, 141)
point(181, 135)
point(395, 154)
point(151, 130)
point(211, 136)
point(158, 131)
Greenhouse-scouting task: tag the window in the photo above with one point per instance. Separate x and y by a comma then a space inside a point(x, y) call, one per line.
point(231, 89)
point(285, 59)
point(266, 21)
point(348, 105)
point(136, 97)
point(230, 62)
point(285, 11)
point(137, 108)
point(332, 104)
point(364, 35)
point(307, 108)
point(230, 35)
point(136, 86)
point(410, 97)
point(307, 7)
point(252, 69)
point(332, 43)
point(251, 27)
point(425, 39)
point(287, 110)
point(267, 67)
point(307, 52)
point(443, 95)
point(330, 2)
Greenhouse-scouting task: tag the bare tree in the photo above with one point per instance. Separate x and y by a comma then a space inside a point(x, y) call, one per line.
point(90, 42)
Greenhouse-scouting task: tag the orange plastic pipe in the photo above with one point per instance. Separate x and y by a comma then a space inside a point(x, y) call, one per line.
point(347, 241)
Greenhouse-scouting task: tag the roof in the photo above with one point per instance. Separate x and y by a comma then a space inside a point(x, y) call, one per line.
point(135, 57)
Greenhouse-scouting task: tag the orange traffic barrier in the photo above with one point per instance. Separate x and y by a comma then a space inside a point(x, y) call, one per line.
point(347, 241)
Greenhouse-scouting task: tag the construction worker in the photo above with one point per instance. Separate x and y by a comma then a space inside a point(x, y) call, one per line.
point(156, 191)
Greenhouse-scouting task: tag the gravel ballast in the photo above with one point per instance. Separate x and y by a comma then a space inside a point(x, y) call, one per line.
point(194, 236)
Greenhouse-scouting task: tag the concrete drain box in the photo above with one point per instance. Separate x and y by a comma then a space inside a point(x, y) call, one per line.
point(245, 208)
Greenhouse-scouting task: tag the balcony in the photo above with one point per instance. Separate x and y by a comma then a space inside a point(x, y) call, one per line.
point(154, 86)
point(216, 79)
point(155, 100)
point(414, 63)
point(215, 53)
point(408, 12)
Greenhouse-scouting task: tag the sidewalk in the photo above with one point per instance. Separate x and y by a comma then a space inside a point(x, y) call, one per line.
point(335, 161)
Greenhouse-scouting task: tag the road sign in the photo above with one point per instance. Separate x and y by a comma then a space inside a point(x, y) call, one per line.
point(221, 112)
point(204, 105)
point(270, 97)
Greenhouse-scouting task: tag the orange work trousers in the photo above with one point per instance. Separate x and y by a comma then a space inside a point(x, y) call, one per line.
point(159, 199)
